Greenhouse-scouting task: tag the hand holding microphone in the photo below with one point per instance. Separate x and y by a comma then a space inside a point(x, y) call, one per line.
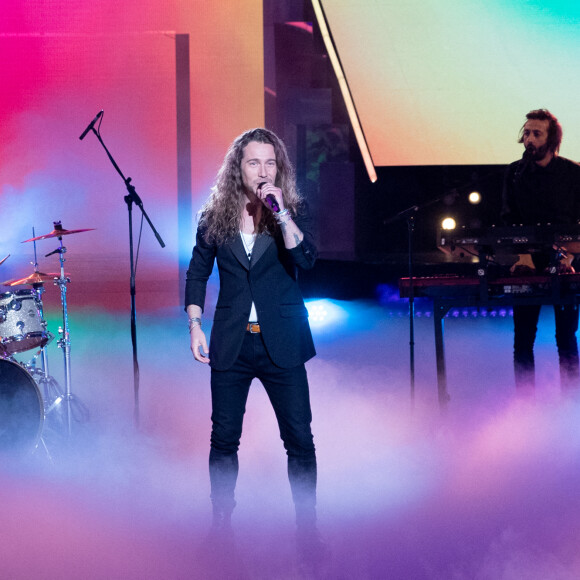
point(269, 198)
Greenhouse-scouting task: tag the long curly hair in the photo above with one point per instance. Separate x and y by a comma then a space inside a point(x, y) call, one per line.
point(221, 214)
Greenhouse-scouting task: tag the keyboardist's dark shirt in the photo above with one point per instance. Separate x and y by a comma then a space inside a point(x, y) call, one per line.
point(542, 195)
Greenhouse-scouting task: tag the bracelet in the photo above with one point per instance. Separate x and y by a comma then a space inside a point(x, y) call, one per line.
point(281, 214)
point(193, 322)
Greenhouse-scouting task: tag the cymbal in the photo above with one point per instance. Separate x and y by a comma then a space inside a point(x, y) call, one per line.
point(57, 233)
point(34, 278)
point(4, 259)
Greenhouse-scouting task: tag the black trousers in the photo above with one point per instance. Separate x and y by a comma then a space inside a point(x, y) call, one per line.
point(525, 329)
point(288, 392)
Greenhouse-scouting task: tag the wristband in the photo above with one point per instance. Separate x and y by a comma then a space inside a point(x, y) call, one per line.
point(282, 214)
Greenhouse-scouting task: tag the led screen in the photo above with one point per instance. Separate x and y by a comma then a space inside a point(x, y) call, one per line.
point(446, 82)
point(61, 63)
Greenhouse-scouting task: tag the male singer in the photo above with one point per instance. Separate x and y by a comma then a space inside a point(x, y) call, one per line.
point(543, 188)
point(255, 225)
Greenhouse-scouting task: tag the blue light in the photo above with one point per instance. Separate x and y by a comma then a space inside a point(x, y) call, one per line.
point(323, 314)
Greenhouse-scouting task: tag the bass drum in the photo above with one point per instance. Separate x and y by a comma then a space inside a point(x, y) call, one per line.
point(21, 410)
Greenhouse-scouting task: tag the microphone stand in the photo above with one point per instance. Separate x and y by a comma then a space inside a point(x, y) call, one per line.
point(409, 216)
point(132, 198)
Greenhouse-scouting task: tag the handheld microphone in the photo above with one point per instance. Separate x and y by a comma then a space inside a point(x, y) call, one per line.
point(91, 125)
point(270, 199)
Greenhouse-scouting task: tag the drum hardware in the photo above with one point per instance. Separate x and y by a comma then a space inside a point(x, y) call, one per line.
point(52, 394)
point(61, 280)
point(53, 428)
point(24, 411)
point(14, 321)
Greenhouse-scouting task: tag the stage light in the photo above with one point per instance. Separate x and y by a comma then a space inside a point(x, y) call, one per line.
point(323, 314)
point(317, 312)
point(474, 197)
point(448, 223)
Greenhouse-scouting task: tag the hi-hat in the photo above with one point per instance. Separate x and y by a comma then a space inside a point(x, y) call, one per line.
point(57, 233)
point(34, 278)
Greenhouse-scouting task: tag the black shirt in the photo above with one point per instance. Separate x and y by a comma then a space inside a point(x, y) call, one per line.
point(534, 195)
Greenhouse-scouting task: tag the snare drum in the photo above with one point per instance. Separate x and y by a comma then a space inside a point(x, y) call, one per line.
point(21, 324)
point(21, 410)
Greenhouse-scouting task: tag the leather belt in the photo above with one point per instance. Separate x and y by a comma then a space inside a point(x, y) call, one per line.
point(253, 327)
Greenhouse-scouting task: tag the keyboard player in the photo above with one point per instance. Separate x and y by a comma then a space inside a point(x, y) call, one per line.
point(541, 188)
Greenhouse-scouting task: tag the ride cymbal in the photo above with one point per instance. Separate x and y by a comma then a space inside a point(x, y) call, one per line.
point(57, 233)
point(34, 278)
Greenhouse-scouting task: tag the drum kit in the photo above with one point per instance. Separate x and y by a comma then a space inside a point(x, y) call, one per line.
point(30, 398)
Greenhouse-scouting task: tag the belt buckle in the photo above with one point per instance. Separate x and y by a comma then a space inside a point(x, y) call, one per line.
point(252, 326)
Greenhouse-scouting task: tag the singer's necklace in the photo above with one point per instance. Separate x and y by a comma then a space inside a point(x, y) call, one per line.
point(248, 240)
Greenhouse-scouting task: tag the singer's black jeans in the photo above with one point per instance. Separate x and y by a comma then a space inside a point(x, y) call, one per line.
point(288, 392)
point(525, 329)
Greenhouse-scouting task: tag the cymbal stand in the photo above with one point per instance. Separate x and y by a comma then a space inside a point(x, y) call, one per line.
point(52, 395)
point(46, 380)
point(64, 340)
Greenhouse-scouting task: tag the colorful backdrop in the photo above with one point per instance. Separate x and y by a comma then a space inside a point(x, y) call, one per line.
point(449, 83)
point(61, 63)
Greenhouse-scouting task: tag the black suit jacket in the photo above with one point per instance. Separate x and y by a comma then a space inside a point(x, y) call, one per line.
point(270, 280)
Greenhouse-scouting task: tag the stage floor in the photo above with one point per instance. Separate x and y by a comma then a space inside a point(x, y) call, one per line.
point(488, 491)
